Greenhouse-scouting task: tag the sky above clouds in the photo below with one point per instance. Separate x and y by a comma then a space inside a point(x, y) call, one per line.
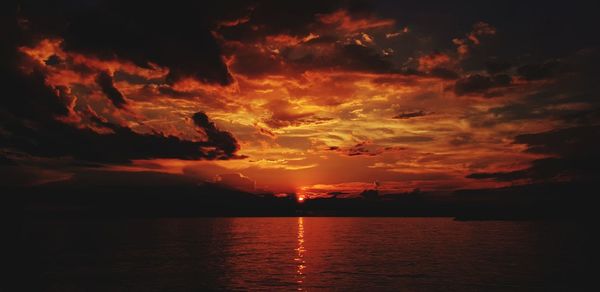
point(307, 96)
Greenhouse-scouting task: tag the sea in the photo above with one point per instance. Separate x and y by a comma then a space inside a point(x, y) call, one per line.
point(305, 254)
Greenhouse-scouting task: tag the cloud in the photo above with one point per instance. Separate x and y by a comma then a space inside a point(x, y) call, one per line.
point(462, 139)
point(164, 35)
point(335, 194)
point(495, 66)
point(360, 58)
point(275, 17)
point(258, 60)
point(284, 114)
point(343, 20)
point(32, 115)
point(121, 145)
point(444, 73)
point(571, 142)
point(265, 132)
point(479, 84)
point(499, 176)
point(406, 139)
point(363, 148)
point(572, 154)
point(30, 175)
point(480, 29)
point(221, 140)
point(284, 80)
point(315, 36)
point(569, 96)
point(368, 148)
point(471, 39)
point(432, 61)
point(409, 115)
point(105, 81)
point(544, 70)
point(236, 181)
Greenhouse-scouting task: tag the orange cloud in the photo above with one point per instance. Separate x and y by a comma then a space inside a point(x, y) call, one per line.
point(342, 20)
point(471, 39)
point(437, 60)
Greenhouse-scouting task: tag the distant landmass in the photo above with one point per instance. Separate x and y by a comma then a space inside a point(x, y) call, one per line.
point(173, 196)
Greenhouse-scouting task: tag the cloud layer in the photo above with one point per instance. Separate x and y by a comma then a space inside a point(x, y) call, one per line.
point(292, 95)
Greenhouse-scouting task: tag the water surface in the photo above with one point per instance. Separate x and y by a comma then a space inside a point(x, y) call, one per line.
point(348, 254)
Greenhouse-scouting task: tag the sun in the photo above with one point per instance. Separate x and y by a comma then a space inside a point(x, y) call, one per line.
point(300, 199)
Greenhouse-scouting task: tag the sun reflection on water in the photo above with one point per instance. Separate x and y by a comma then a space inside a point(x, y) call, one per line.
point(300, 263)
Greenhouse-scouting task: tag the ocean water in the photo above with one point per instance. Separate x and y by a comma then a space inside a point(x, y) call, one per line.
point(304, 254)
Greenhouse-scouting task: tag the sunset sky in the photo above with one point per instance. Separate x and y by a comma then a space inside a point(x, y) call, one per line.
point(307, 96)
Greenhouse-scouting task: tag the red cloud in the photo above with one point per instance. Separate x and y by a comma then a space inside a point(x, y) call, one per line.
point(346, 22)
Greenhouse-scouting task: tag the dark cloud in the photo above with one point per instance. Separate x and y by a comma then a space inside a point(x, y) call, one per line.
point(177, 36)
point(575, 152)
point(6, 161)
point(121, 145)
point(263, 18)
point(406, 139)
point(540, 71)
point(324, 39)
point(573, 83)
point(499, 176)
point(31, 110)
point(17, 175)
point(222, 140)
point(462, 139)
point(540, 29)
point(571, 142)
point(497, 66)
point(105, 81)
point(337, 193)
point(360, 58)
point(284, 114)
point(173, 93)
point(312, 56)
point(255, 62)
point(368, 148)
point(53, 60)
point(133, 78)
point(361, 148)
point(350, 57)
point(236, 181)
point(478, 83)
point(444, 73)
point(409, 115)
point(162, 34)
point(582, 117)
point(517, 111)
